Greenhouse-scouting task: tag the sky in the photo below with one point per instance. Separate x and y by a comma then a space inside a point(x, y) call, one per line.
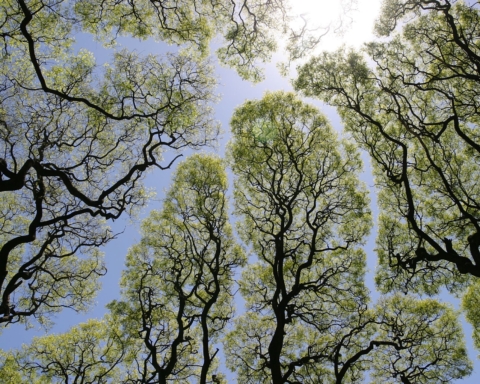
point(233, 92)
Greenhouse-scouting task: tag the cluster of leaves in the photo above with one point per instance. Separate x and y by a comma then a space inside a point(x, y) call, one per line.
point(296, 191)
point(89, 353)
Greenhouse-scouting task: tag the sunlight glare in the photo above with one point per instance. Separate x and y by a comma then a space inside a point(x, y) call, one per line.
point(350, 21)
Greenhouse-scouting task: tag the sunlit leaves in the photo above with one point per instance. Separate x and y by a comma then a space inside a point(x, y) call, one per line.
point(304, 213)
point(414, 115)
point(177, 289)
point(249, 30)
point(471, 303)
point(414, 108)
point(426, 346)
point(75, 144)
point(90, 352)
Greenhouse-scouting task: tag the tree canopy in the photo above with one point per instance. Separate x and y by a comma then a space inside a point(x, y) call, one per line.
point(304, 214)
point(78, 139)
point(177, 287)
point(87, 353)
point(76, 142)
point(302, 211)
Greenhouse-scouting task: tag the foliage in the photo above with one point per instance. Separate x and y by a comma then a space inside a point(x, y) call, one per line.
point(425, 347)
point(416, 112)
point(75, 143)
point(177, 288)
point(247, 28)
point(471, 303)
point(87, 353)
point(76, 139)
point(305, 214)
point(417, 115)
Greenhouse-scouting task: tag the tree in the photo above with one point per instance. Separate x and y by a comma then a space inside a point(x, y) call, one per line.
point(177, 288)
point(420, 342)
point(76, 143)
point(403, 340)
point(416, 113)
point(305, 214)
point(87, 353)
point(304, 217)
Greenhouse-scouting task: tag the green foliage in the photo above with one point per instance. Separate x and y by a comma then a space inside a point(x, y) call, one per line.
point(9, 372)
point(470, 304)
point(75, 144)
point(427, 342)
point(249, 30)
point(76, 141)
point(304, 213)
point(416, 114)
point(177, 288)
point(90, 352)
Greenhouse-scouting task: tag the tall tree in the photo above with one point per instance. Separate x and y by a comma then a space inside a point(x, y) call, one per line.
point(305, 214)
point(416, 112)
point(177, 288)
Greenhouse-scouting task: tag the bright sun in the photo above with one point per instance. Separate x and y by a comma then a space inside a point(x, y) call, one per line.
point(356, 18)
